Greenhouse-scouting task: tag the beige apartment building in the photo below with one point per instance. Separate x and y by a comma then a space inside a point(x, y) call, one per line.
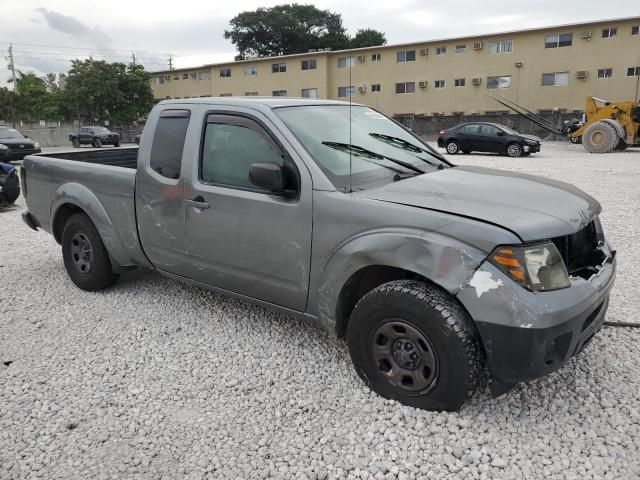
point(544, 69)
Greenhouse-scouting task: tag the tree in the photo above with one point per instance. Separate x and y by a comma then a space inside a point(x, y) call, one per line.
point(368, 37)
point(96, 91)
point(31, 100)
point(291, 28)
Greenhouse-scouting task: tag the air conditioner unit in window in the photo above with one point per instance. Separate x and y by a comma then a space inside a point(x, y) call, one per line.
point(193, 74)
point(422, 84)
point(582, 74)
point(424, 52)
point(585, 34)
point(361, 58)
point(167, 77)
point(477, 45)
point(362, 88)
point(476, 81)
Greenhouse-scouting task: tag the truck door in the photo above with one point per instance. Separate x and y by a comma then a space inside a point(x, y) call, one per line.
point(160, 192)
point(239, 237)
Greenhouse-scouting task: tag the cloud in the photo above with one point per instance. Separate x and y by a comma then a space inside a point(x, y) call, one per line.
point(74, 27)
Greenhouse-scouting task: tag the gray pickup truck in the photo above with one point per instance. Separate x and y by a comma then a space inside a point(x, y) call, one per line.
point(337, 214)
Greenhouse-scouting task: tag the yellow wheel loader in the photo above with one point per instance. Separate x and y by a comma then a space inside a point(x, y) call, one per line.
point(606, 126)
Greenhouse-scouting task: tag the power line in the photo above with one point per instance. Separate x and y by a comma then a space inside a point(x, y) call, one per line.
point(87, 49)
point(59, 54)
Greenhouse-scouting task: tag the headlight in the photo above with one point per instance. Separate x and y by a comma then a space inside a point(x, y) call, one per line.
point(3, 147)
point(36, 145)
point(536, 267)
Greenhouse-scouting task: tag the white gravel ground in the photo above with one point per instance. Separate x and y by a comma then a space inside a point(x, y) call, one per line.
point(155, 379)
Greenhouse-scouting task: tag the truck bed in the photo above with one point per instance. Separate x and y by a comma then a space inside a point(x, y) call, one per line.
point(101, 182)
point(116, 157)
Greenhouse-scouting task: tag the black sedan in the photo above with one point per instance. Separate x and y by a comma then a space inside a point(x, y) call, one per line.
point(17, 145)
point(487, 137)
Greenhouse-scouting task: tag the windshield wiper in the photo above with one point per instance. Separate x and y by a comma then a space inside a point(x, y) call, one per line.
point(405, 145)
point(368, 154)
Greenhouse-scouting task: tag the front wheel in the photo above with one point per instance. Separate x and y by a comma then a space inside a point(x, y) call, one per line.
point(514, 150)
point(97, 143)
point(453, 147)
point(75, 143)
point(117, 143)
point(85, 257)
point(412, 342)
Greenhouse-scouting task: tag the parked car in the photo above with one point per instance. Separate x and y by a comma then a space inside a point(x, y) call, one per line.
point(487, 137)
point(9, 184)
point(18, 145)
point(96, 136)
point(336, 214)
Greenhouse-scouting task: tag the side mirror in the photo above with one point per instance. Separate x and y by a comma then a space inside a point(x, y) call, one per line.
point(268, 176)
point(500, 134)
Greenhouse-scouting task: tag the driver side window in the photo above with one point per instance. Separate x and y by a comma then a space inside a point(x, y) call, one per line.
point(230, 149)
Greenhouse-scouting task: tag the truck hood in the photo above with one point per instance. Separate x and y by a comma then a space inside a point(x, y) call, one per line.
point(532, 207)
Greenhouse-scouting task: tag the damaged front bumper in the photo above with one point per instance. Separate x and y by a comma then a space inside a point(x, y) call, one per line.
point(529, 334)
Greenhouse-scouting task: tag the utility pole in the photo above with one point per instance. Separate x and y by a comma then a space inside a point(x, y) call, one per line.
point(133, 57)
point(170, 62)
point(12, 67)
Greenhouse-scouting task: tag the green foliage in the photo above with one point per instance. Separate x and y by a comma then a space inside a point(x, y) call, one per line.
point(368, 37)
point(94, 90)
point(292, 28)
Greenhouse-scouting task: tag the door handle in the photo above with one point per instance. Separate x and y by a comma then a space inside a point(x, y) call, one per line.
point(198, 202)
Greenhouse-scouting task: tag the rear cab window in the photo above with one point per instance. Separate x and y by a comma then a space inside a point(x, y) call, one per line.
point(168, 142)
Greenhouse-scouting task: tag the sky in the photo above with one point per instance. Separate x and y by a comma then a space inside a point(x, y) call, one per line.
point(191, 31)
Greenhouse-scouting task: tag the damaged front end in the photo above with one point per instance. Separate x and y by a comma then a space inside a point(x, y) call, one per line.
point(528, 332)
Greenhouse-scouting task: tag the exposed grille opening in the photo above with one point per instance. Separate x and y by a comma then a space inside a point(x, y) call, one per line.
point(581, 251)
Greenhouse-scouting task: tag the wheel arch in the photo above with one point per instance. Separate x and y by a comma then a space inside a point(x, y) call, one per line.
point(72, 198)
point(371, 260)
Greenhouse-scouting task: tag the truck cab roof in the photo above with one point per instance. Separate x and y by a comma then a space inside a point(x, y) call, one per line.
point(256, 102)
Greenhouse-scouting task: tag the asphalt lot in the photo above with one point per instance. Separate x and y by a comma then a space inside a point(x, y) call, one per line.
point(156, 379)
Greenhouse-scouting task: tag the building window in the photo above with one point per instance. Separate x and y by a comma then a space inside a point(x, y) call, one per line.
point(441, 50)
point(555, 41)
point(279, 93)
point(309, 93)
point(375, 87)
point(226, 94)
point(308, 64)
point(250, 94)
point(438, 84)
point(203, 76)
point(406, 87)
point(376, 57)
point(459, 82)
point(278, 67)
point(185, 76)
point(605, 72)
point(250, 70)
point(633, 72)
point(159, 80)
point(346, 91)
point(499, 82)
point(502, 46)
point(345, 62)
point(555, 79)
point(635, 30)
point(406, 56)
point(461, 48)
point(609, 32)
point(176, 77)
point(225, 72)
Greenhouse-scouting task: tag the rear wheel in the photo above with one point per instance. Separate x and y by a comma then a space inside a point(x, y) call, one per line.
point(453, 147)
point(97, 143)
point(412, 342)
point(514, 150)
point(85, 257)
point(600, 137)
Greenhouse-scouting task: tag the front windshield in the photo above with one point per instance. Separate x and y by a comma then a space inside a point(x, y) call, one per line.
point(10, 133)
point(100, 129)
point(509, 130)
point(324, 131)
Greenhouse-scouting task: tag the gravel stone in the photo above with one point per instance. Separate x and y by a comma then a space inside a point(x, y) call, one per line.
point(163, 380)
